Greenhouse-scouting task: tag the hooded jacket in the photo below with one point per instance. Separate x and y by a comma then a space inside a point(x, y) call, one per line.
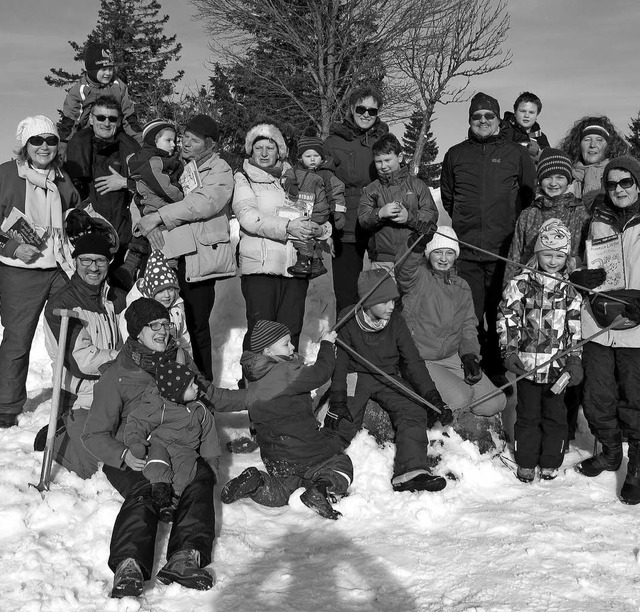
point(514, 132)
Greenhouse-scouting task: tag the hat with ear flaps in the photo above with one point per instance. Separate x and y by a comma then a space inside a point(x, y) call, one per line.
point(266, 131)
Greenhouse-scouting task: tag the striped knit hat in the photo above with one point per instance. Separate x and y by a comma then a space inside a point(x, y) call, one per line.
point(554, 161)
point(313, 143)
point(158, 275)
point(266, 333)
point(595, 127)
point(153, 128)
point(172, 379)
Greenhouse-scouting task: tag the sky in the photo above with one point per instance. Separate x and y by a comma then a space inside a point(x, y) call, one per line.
point(578, 56)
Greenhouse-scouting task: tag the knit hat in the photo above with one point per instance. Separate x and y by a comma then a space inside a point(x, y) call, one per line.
point(141, 313)
point(204, 126)
point(153, 128)
point(266, 131)
point(483, 101)
point(34, 126)
point(158, 275)
point(595, 127)
point(265, 333)
point(555, 236)
point(172, 379)
point(442, 242)
point(92, 244)
point(96, 57)
point(385, 292)
point(313, 143)
point(554, 161)
point(624, 162)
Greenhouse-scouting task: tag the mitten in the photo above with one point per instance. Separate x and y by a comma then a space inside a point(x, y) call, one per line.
point(419, 246)
point(337, 411)
point(589, 278)
point(426, 228)
point(514, 364)
point(445, 417)
point(339, 220)
point(471, 368)
point(574, 368)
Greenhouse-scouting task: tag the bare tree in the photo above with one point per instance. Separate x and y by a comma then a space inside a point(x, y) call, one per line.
point(440, 54)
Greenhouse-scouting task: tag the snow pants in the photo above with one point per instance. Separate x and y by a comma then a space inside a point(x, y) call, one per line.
point(276, 490)
point(172, 464)
point(23, 295)
point(541, 428)
point(136, 526)
point(68, 449)
point(346, 268)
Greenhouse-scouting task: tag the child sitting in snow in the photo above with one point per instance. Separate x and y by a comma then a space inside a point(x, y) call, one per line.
point(171, 429)
point(539, 317)
point(294, 451)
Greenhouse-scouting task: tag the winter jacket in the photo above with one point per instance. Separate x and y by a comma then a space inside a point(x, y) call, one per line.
point(333, 186)
point(281, 411)
point(389, 238)
point(567, 208)
point(322, 208)
point(207, 211)
point(438, 309)
point(91, 341)
point(607, 220)
point(89, 158)
point(390, 349)
point(350, 148)
point(514, 132)
point(484, 186)
point(80, 100)
point(258, 200)
point(538, 318)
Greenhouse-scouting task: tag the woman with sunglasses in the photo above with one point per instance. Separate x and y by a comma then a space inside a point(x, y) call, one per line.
point(34, 186)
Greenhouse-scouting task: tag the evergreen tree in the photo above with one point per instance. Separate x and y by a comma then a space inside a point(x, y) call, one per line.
point(427, 171)
point(634, 137)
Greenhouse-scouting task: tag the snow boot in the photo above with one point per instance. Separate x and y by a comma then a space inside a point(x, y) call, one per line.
point(608, 460)
point(184, 568)
point(422, 482)
point(302, 267)
point(630, 493)
point(40, 441)
point(548, 473)
point(315, 497)
point(526, 474)
point(317, 268)
point(162, 499)
point(10, 420)
point(242, 486)
point(128, 580)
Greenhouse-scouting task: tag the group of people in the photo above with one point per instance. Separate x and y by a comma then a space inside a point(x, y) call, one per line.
point(107, 220)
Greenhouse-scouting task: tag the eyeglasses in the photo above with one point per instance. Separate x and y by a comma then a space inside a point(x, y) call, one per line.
point(109, 118)
point(480, 116)
point(625, 183)
point(88, 262)
point(158, 325)
point(38, 141)
point(365, 110)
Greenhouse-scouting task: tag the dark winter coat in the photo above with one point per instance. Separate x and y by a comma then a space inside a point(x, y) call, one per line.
point(350, 148)
point(484, 186)
point(387, 237)
point(309, 182)
point(514, 132)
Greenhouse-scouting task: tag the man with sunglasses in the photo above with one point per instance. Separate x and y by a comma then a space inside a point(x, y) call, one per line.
point(485, 182)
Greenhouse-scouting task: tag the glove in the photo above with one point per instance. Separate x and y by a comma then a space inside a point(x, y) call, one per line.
point(339, 220)
point(589, 278)
point(445, 417)
point(471, 367)
point(426, 228)
point(574, 368)
point(419, 246)
point(336, 413)
point(513, 363)
point(632, 310)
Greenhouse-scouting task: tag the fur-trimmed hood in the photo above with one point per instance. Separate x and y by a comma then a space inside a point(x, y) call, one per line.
point(270, 132)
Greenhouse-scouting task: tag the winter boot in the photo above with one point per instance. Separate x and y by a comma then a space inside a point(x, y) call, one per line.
point(184, 568)
point(128, 580)
point(630, 493)
point(302, 267)
point(548, 473)
point(422, 482)
point(608, 460)
point(317, 268)
point(526, 474)
point(162, 498)
point(315, 497)
point(242, 486)
point(9, 420)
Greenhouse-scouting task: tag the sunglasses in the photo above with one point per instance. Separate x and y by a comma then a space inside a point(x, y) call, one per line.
point(110, 118)
point(88, 262)
point(158, 325)
point(625, 183)
point(365, 110)
point(38, 141)
point(479, 116)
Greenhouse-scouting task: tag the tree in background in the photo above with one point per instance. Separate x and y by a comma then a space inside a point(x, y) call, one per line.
point(427, 170)
point(134, 32)
point(634, 137)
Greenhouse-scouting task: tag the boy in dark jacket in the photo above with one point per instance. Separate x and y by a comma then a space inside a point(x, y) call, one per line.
point(521, 126)
point(295, 452)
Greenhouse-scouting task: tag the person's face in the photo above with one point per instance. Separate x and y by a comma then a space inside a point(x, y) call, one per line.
point(622, 197)
point(282, 349)
point(593, 149)
point(551, 261)
point(40, 152)
point(364, 112)
point(311, 159)
point(484, 123)
point(526, 115)
point(104, 122)
point(105, 75)
point(194, 145)
point(387, 163)
point(155, 339)
point(191, 392)
point(166, 141)
point(166, 297)
point(92, 269)
point(265, 153)
point(382, 310)
point(442, 259)
point(554, 185)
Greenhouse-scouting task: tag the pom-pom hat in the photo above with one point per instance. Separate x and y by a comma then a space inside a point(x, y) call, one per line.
point(92, 244)
point(158, 275)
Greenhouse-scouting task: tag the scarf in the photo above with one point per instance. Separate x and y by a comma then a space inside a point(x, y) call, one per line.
point(367, 324)
point(588, 181)
point(148, 359)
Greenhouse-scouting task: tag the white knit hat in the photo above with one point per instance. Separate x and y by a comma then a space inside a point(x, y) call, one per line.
point(34, 126)
point(270, 132)
point(442, 242)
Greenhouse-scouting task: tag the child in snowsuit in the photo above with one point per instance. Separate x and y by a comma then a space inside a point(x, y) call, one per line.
point(394, 205)
point(538, 318)
point(294, 451)
point(521, 126)
point(171, 428)
point(379, 334)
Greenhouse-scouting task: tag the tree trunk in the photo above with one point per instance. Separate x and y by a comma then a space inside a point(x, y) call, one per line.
point(427, 113)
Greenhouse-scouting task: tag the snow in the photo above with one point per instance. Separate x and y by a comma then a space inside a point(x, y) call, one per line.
point(486, 543)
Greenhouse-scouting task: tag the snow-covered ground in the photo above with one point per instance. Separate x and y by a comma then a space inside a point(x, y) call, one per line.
point(485, 543)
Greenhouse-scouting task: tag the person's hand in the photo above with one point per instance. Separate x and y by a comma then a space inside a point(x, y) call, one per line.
point(445, 416)
point(301, 228)
point(27, 253)
point(390, 210)
point(402, 216)
point(427, 229)
point(329, 336)
point(339, 220)
point(112, 182)
point(156, 239)
point(336, 413)
point(574, 368)
point(589, 278)
point(148, 223)
point(138, 450)
point(514, 364)
point(471, 368)
point(331, 247)
point(133, 462)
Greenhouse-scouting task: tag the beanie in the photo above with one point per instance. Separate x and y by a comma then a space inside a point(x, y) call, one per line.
point(96, 57)
point(595, 127)
point(385, 292)
point(35, 126)
point(158, 275)
point(443, 242)
point(153, 128)
point(554, 161)
point(555, 236)
point(92, 244)
point(625, 162)
point(204, 126)
point(172, 379)
point(313, 143)
point(265, 333)
point(483, 101)
point(141, 313)
point(266, 131)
